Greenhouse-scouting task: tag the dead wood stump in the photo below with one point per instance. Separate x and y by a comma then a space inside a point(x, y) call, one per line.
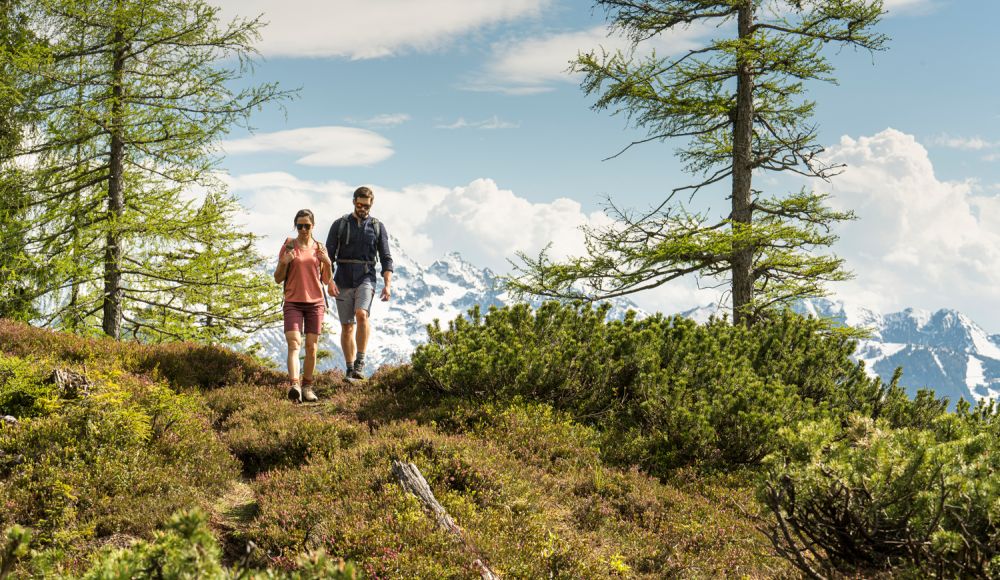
point(71, 384)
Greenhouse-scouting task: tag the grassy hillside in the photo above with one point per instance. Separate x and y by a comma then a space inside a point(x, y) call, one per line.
point(180, 428)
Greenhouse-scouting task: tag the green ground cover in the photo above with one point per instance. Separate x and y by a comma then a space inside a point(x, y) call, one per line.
point(563, 446)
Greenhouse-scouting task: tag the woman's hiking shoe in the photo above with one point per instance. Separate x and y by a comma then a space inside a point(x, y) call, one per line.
point(308, 396)
point(294, 393)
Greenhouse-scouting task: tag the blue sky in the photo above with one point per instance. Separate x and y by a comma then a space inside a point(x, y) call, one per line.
point(457, 113)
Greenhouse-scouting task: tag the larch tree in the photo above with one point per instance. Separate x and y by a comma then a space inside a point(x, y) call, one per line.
point(127, 208)
point(737, 101)
point(17, 279)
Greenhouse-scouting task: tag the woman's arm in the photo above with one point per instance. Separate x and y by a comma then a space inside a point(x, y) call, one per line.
point(284, 259)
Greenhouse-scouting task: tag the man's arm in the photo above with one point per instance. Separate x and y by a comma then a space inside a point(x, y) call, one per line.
point(385, 257)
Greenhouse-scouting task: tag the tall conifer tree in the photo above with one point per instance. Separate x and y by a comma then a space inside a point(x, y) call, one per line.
point(133, 97)
point(736, 101)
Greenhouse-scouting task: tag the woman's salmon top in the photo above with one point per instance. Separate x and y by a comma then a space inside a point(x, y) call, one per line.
point(302, 280)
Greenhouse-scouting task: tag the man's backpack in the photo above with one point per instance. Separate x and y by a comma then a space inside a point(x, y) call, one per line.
point(289, 246)
point(342, 239)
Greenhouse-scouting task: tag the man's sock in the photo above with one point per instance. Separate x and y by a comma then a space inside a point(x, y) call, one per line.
point(349, 368)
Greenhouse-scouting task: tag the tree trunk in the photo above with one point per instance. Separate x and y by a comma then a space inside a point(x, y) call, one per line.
point(742, 259)
point(112, 323)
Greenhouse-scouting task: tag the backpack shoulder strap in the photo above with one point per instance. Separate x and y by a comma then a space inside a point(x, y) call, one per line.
point(375, 225)
point(340, 233)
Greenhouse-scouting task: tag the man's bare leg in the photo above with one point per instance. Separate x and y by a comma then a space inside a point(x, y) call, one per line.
point(347, 343)
point(364, 330)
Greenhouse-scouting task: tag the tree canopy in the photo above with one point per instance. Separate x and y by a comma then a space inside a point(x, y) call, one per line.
point(127, 215)
point(737, 101)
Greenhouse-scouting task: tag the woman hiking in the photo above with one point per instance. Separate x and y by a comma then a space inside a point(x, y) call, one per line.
point(305, 268)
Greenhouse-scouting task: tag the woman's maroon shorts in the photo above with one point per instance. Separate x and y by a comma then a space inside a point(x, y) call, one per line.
point(307, 314)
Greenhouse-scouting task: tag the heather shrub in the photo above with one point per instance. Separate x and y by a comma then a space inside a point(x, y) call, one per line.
point(863, 495)
point(23, 392)
point(185, 548)
point(119, 461)
point(350, 505)
point(184, 365)
point(267, 435)
point(667, 391)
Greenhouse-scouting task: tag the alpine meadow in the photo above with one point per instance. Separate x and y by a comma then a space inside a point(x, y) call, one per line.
point(542, 425)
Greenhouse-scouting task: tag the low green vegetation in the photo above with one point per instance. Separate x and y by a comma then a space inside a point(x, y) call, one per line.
point(563, 446)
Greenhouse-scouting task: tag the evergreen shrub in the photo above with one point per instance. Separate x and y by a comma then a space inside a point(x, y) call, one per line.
point(667, 391)
point(864, 495)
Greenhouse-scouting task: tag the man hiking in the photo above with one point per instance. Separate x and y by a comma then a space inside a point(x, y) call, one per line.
point(354, 241)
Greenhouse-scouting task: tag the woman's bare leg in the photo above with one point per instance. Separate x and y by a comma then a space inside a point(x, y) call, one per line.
point(312, 345)
point(294, 339)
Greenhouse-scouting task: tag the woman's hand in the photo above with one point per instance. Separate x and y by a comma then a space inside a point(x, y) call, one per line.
point(324, 257)
point(288, 257)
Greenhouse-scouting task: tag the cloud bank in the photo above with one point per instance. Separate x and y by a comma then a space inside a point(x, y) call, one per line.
point(326, 146)
point(373, 28)
point(528, 66)
point(920, 242)
point(483, 222)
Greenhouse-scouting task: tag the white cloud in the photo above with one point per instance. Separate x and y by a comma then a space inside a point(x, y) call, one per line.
point(494, 123)
point(373, 28)
point(975, 143)
point(385, 121)
point(532, 65)
point(456, 125)
point(326, 146)
point(920, 242)
point(484, 223)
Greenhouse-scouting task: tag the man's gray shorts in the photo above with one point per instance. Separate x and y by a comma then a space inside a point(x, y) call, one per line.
point(351, 299)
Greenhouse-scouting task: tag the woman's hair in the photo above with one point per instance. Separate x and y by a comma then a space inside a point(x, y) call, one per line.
point(307, 213)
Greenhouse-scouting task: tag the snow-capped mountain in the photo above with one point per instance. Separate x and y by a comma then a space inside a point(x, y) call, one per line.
point(945, 350)
point(445, 289)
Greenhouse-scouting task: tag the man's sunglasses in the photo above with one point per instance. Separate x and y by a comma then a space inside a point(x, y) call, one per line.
point(364, 205)
point(303, 226)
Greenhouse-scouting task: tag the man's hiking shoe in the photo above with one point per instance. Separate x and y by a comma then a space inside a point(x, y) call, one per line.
point(308, 396)
point(359, 369)
point(295, 393)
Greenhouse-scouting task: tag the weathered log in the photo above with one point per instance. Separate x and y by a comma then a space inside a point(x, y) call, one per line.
point(413, 481)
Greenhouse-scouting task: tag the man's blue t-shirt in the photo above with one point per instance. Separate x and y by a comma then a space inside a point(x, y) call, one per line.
point(362, 246)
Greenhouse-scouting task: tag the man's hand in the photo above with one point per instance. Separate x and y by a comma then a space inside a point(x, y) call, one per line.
point(386, 293)
point(334, 291)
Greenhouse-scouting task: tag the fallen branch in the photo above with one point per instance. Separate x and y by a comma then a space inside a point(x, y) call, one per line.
point(412, 481)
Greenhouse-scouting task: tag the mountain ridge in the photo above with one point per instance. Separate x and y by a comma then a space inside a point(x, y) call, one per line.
point(944, 350)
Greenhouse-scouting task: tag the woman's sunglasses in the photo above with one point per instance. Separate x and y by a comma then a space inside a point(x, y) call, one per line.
point(303, 226)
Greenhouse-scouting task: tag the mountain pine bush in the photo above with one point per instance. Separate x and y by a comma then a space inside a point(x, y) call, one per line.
point(668, 391)
point(863, 495)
